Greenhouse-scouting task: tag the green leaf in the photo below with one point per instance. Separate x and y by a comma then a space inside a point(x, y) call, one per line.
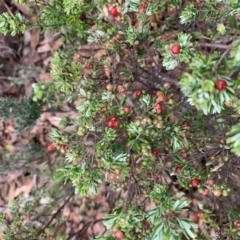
point(233, 22)
point(208, 86)
point(157, 232)
point(131, 35)
point(186, 228)
point(112, 218)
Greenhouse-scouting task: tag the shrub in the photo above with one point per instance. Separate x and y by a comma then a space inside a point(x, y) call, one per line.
point(134, 128)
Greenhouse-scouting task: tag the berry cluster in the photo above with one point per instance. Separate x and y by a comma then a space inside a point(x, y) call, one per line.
point(113, 122)
point(143, 7)
point(115, 12)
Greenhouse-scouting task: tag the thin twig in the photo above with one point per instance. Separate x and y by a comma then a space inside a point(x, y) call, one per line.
point(84, 228)
point(55, 214)
point(214, 45)
point(8, 9)
point(221, 58)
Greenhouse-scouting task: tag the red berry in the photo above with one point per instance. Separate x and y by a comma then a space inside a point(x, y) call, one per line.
point(149, 175)
point(144, 5)
point(184, 155)
point(199, 214)
point(221, 85)
point(117, 18)
point(178, 169)
point(175, 49)
point(171, 11)
point(158, 106)
point(63, 146)
point(195, 182)
point(116, 124)
point(159, 177)
point(113, 118)
point(114, 12)
point(154, 152)
point(138, 93)
point(113, 177)
point(238, 224)
point(89, 66)
point(119, 234)
point(167, 141)
point(161, 97)
point(142, 10)
point(159, 111)
point(210, 181)
point(110, 124)
point(50, 147)
point(127, 109)
point(186, 124)
point(205, 192)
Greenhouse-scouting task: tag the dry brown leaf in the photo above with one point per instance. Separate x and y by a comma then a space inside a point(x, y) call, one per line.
point(74, 217)
point(55, 120)
point(27, 38)
point(92, 47)
point(24, 8)
point(11, 193)
point(101, 53)
point(47, 61)
point(44, 48)
point(57, 44)
point(26, 188)
point(107, 71)
point(216, 168)
point(46, 77)
point(166, 36)
point(35, 36)
point(105, 11)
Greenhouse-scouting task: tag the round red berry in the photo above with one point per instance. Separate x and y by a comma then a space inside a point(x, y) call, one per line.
point(161, 97)
point(50, 147)
point(167, 141)
point(89, 66)
point(195, 182)
point(184, 155)
point(175, 49)
point(199, 214)
point(159, 111)
point(158, 106)
point(127, 109)
point(113, 176)
point(138, 93)
point(221, 85)
point(178, 169)
point(205, 192)
point(171, 11)
point(113, 118)
point(145, 5)
point(142, 10)
point(114, 12)
point(116, 124)
point(186, 124)
point(110, 124)
point(119, 234)
point(154, 152)
point(149, 175)
point(238, 223)
point(63, 146)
